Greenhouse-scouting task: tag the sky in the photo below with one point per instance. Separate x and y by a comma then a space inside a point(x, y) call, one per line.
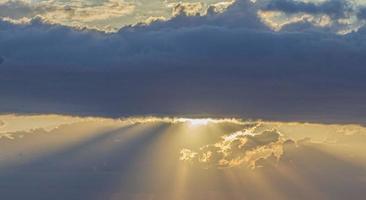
point(265, 59)
point(176, 100)
point(148, 158)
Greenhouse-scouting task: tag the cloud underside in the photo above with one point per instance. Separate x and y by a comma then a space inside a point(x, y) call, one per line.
point(230, 63)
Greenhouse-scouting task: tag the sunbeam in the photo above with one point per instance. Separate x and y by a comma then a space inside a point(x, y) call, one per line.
point(179, 158)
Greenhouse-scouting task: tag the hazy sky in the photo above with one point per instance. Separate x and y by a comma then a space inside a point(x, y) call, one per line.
point(149, 158)
point(265, 98)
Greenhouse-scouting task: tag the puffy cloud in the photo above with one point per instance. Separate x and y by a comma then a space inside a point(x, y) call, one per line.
point(279, 21)
point(338, 16)
point(219, 7)
point(108, 9)
point(74, 13)
point(199, 8)
point(139, 44)
point(261, 146)
point(104, 15)
point(241, 148)
point(189, 9)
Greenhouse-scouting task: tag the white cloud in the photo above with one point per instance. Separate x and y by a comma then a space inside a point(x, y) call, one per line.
point(339, 16)
point(74, 13)
point(242, 148)
point(189, 9)
point(108, 15)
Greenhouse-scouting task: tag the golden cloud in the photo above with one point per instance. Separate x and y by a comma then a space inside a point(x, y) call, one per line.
point(237, 149)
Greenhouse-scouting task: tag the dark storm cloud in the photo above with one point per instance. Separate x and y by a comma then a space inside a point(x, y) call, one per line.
point(333, 8)
point(362, 13)
point(233, 37)
point(42, 44)
point(218, 64)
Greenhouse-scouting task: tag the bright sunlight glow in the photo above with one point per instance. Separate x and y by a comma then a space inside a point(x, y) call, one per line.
point(198, 122)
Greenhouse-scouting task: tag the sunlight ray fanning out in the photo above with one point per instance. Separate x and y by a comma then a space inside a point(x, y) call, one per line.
point(159, 158)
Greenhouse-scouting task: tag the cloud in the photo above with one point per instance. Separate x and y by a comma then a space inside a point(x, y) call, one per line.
point(76, 13)
point(15, 9)
point(332, 8)
point(104, 15)
point(189, 9)
point(268, 146)
point(338, 16)
point(221, 64)
point(241, 148)
point(219, 7)
point(140, 44)
point(132, 49)
point(21, 123)
point(362, 14)
point(2, 124)
point(199, 8)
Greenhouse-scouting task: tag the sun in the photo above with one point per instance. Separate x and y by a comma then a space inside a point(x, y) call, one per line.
point(198, 122)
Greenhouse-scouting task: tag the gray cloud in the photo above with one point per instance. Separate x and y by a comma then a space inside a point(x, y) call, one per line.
point(238, 33)
point(362, 13)
point(333, 8)
point(226, 63)
point(16, 9)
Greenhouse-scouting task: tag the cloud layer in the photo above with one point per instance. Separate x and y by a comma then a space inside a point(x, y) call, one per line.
point(226, 63)
point(104, 15)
